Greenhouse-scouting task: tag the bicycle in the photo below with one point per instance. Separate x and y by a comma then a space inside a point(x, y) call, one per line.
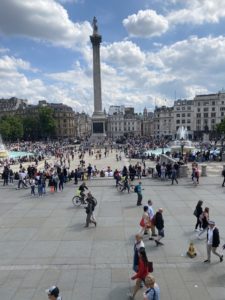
point(78, 200)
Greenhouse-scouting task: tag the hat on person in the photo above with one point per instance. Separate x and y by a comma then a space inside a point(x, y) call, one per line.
point(53, 291)
point(211, 222)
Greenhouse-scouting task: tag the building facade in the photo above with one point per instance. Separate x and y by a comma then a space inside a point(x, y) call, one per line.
point(209, 110)
point(83, 125)
point(183, 116)
point(124, 122)
point(63, 114)
point(163, 122)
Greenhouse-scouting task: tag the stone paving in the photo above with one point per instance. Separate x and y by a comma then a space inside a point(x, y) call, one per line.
point(43, 242)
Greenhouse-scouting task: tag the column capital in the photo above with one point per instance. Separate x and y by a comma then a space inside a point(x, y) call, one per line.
point(96, 39)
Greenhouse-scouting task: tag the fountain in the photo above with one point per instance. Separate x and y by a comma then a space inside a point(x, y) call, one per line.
point(182, 144)
point(3, 152)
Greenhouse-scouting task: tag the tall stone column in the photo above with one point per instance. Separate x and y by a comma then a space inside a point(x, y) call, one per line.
point(96, 39)
point(98, 117)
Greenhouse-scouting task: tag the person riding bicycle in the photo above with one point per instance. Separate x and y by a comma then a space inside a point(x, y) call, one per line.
point(81, 189)
point(126, 184)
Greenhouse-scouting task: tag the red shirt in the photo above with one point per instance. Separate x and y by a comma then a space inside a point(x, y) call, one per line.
point(142, 270)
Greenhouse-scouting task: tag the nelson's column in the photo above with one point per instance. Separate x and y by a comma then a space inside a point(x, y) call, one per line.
point(98, 117)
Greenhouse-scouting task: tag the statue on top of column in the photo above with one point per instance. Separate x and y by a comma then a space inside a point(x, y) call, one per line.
point(95, 26)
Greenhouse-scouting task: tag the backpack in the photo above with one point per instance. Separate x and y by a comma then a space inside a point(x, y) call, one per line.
point(136, 188)
point(94, 201)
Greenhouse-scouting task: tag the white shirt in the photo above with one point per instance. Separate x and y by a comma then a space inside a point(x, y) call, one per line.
point(210, 235)
point(150, 212)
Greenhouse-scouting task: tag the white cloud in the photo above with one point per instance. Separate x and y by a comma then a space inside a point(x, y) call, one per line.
point(122, 54)
point(198, 12)
point(44, 20)
point(129, 76)
point(146, 23)
point(8, 63)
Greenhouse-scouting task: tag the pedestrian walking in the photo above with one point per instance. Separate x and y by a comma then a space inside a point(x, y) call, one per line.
point(204, 219)
point(145, 222)
point(53, 293)
point(213, 241)
point(32, 186)
point(151, 217)
point(197, 213)
point(174, 174)
point(138, 190)
point(153, 291)
point(223, 174)
point(91, 203)
point(137, 245)
point(159, 224)
point(142, 272)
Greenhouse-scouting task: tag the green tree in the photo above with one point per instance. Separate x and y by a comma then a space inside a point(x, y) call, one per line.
point(47, 122)
point(31, 126)
point(220, 128)
point(4, 129)
point(11, 128)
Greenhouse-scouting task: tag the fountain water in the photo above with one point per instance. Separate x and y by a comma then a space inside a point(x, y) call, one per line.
point(182, 141)
point(3, 152)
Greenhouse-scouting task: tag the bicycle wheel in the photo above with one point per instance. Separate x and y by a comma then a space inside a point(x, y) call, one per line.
point(76, 201)
point(120, 188)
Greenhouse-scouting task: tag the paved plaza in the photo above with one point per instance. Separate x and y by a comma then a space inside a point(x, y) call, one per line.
point(43, 242)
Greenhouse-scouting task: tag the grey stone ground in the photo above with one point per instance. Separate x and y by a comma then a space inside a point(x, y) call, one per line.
point(43, 242)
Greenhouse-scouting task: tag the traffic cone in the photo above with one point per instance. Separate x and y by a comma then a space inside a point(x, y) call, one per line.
point(191, 250)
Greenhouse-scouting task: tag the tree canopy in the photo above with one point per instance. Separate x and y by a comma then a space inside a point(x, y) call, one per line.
point(40, 125)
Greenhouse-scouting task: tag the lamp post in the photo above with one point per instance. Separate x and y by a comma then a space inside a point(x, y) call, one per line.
point(163, 146)
point(222, 141)
point(182, 148)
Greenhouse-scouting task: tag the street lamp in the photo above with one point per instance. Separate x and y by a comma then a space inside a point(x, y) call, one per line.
point(182, 148)
point(162, 145)
point(222, 141)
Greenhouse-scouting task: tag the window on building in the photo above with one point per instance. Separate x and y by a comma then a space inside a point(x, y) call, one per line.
point(183, 115)
point(205, 121)
point(178, 115)
point(206, 115)
point(206, 103)
point(183, 121)
point(189, 108)
point(199, 109)
point(206, 109)
point(188, 128)
point(188, 115)
point(178, 121)
point(213, 115)
point(213, 102)
point(213, 109)
point(188, 121)
point(198, 115)
point(198, 121)
point(213, 121)
point(199, 104)
point(178, 108)
point(183, 107)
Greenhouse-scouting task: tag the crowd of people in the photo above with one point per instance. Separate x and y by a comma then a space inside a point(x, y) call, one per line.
point(54, 176)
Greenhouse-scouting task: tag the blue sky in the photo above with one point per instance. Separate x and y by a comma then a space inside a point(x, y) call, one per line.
point(153, 51)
